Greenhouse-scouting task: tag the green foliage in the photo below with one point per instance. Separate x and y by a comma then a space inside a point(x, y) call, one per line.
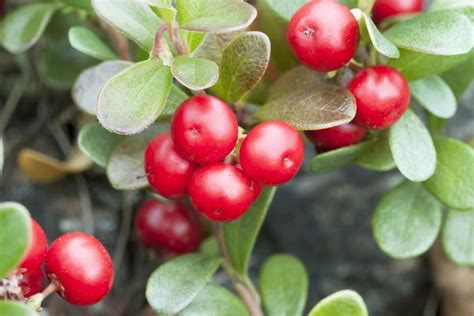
point(195, 73)
point(335, 159)
point(435, 96)
point(377, 156)
point(97, 143)
point(214, 45)
point(87, 42)
point(459, 77)
point(81, 4)
point(15, 309)
point(381, 44)
point(342, 303)
point(284, 285)
point(457, 237)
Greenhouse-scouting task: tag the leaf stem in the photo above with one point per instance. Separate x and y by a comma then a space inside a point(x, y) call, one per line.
point(155, 51)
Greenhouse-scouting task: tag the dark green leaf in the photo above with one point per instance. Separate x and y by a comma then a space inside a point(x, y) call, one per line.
point(240, 235)
point(381, 44)
point(209, 246)
point(87, 42)
point(335, 159)
point(459, 77)
point(284, 286)
point(97, 143)
point(195, 73)
point(453, 182)
point(377, 156)
point(435, 96)
point(13, 308)
point(176, 283)
point(412, 148)
point(81, 4)
point(342, 303)
point(458, 237)
point(406, 221)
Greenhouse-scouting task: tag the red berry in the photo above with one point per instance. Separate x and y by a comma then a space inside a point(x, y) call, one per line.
point(386, 8)
point(32, 282)
point(168, 226)
point(204, 129)
point(220, 192)
point(36, 253)
point(167, 172)
point(256, 188)
point(337, 137)
point(323, 35)
point(382, 96)
point(81, 266)
point(272, 153)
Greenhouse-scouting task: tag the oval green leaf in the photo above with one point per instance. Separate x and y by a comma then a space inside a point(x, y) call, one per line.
point(87, 42)
point(335, 159)
point(97, 143)
point(283, 284)
point(452, 182)
point(459, 77)
point(13, 308)
point(175, 284)
point(457, 237)
point(133, 99)
point(14, 235)
point(412, 148)
point(342, 303)
point(435, 96)
point(195, 73)
point(406, 221)
point(377, 156)
point(381, 44)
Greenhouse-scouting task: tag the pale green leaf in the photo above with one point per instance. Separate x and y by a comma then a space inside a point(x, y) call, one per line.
point(12, 308)
point(381, 44)
point(335, 159)
point(195, 73)
point(457, 237)
point(97, 143)
point(87, 42)
point(435, 96)
point(342, 303)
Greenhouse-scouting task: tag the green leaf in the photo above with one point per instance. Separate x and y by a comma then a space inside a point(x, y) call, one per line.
point(87, 87)
point(132, 100)
point(414, 65)
point(301, 98)
point(14, 235)
point(135, 20)
point(284, 285)
point(366, 5)
point(450, 4)
point(335, 159)
point(215, 16)
point(243, 65)
point(406, 221)
point(193, 39)
point(176, 283)
point(165, 9)
point(437, 33)
point(23, 27)
point(412, 148)
point(87, 42)
point(377, 156)
point(342, 303)
point(240, 235)
point(125, 169)
point(457, 237)
point(453, 182)
point(195, 73)
point(215, 300)
point(81, 4)
point(15, 309)
point(175, 98)
point(381, 44)
point(209, 246)
point(97, 143)
point(435, 96)
point(214, 45)
point(458, 78)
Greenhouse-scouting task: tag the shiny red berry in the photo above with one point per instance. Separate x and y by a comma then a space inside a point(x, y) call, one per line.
point(167, 171)
point(387, 8)
point(323, 35)
point(256, 188)
point(32, 282)
point(82, 268)
point(168, 226)
point(204, 129)
point(36, 253)
point(382, 96)
point(337, 137)
point(220, 192)
point(272, 153)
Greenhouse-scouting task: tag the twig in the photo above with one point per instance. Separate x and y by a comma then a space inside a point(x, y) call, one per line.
point(119, 42)
point(12, 102)
point(124, 230)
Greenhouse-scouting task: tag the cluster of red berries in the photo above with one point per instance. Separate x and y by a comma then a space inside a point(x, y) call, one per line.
point(324, 36)
point(195, 158)
point(77, 265)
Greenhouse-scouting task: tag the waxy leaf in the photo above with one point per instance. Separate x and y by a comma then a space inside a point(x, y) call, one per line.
point(15, 309)
point(381, 44)
point(23, 27)
point(342, 303)
point(412, 148)
point(457, 237)
point(283, 285)
point(97, 143)
point(302, 99)
point(87, 42)
point(240, 235)
point(215, 300)
point(377, 156)
point(177, 282)
point(14, 236)
point(243, 64)
point(87, 87)
point(132, 100)
point(434, 95)
point(195, 73)
point(452, 182)
point(215, 16)
point(135, 20)
point(406, 221)
point(335, 159)
point(436, 33)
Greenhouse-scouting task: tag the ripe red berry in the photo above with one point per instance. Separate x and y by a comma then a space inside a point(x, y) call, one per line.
point(323, 35)
point(272, 153)
point(382, 96)
point(168, 173)
point(82, 268)
point(387, 8)
point(36, 253)
point(168, 226)
point(220, 192)
point(256, 188)
point(204, 129)
point(337, 137)
point(32, 282)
